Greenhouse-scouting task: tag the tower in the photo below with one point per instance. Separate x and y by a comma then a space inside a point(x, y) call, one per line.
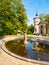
point(36, 22)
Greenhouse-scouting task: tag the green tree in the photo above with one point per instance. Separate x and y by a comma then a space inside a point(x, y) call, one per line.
point(41, 16)
point(30, 29)
point(12, 16)
point(44, 17)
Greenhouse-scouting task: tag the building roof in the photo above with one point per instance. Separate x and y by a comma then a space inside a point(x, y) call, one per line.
point(46, 24)
point(41, 23)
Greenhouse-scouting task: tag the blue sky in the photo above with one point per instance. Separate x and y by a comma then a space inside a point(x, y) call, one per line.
point(31, 6)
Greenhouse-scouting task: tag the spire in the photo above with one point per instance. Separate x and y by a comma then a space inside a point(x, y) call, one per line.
point(36, 14)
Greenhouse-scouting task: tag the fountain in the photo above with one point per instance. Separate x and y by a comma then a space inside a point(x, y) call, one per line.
point(25, 38)
point(29, 50)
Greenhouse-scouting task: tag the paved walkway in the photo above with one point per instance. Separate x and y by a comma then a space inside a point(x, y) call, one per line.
point(6, 59)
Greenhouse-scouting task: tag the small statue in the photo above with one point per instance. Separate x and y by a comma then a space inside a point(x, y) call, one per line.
point(25, 37)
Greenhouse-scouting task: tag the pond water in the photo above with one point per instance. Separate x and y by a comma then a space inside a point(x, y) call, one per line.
point(30, 51)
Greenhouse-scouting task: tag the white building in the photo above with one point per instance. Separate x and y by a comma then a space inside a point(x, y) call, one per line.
point(40, 27)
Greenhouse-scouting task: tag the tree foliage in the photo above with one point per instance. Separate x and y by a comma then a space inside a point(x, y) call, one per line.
point(12, 16)
point(30, 29)
point(44, 18)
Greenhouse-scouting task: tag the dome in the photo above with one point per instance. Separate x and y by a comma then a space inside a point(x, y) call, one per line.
point(36, 16)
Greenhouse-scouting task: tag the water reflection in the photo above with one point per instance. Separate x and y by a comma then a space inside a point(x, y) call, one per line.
point(33, 50)
point(42, 51)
